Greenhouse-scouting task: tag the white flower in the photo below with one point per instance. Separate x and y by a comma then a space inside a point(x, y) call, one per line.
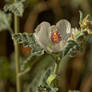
point(53, 38)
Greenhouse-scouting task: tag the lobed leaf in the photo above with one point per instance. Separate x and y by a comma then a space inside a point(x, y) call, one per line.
point(16, 8)
point(71, 48)
point(5, 21)
point(28, 40)
point(42, 85)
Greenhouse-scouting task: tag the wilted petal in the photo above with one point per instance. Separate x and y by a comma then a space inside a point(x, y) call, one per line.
point(41, 34)
point(64, 27)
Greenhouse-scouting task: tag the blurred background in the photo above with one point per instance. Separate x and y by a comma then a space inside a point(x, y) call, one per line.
point(79, 68)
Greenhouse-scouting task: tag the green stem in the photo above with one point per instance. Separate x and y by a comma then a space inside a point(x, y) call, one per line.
point(56, 60)
point(16, 28)
point(62, 73)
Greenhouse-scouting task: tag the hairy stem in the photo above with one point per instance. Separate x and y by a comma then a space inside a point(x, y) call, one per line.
point(16, 29)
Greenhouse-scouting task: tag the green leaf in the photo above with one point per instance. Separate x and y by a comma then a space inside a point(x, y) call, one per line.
point(81, 17)
point(28, 40)
point(5, 21)
point(79, 36)
point(39, 85)
point(71, 48)
point(16, 8)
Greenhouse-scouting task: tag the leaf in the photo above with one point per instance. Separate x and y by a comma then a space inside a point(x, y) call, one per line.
point(81, 17)
point(16, 8)
point(28, 40)
point(71, 48)
point(5, 21)
point(52, 76)
point(41, 85)
point(79, 36)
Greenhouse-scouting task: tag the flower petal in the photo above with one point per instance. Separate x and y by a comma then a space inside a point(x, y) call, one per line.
point(64, 27)
point(51, 29)
point(41, 34)
point(58, 47)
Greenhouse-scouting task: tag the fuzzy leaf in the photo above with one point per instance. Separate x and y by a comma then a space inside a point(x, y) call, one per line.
point(71, 48)
point(16, 8)
point(80, 35)
point(41, 85)
point(81, 17)
point(28, 40)
point(5, 20)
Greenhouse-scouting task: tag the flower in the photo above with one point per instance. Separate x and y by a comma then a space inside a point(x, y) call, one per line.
point(52, 38)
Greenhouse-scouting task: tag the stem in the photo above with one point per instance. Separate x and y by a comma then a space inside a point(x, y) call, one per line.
point(56, 60)
point(62, 73)
point(16, 28)
point(23, 73)
point(25, 62)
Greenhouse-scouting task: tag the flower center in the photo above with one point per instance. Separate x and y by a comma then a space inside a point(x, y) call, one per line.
point(55, 37)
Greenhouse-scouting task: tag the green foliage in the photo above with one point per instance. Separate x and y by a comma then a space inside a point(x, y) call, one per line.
point(81, 17)
point(42, 85)
point(71, 48)
point(5, 21)
point(16, 8)
point(79, 36)
point(28, 40)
